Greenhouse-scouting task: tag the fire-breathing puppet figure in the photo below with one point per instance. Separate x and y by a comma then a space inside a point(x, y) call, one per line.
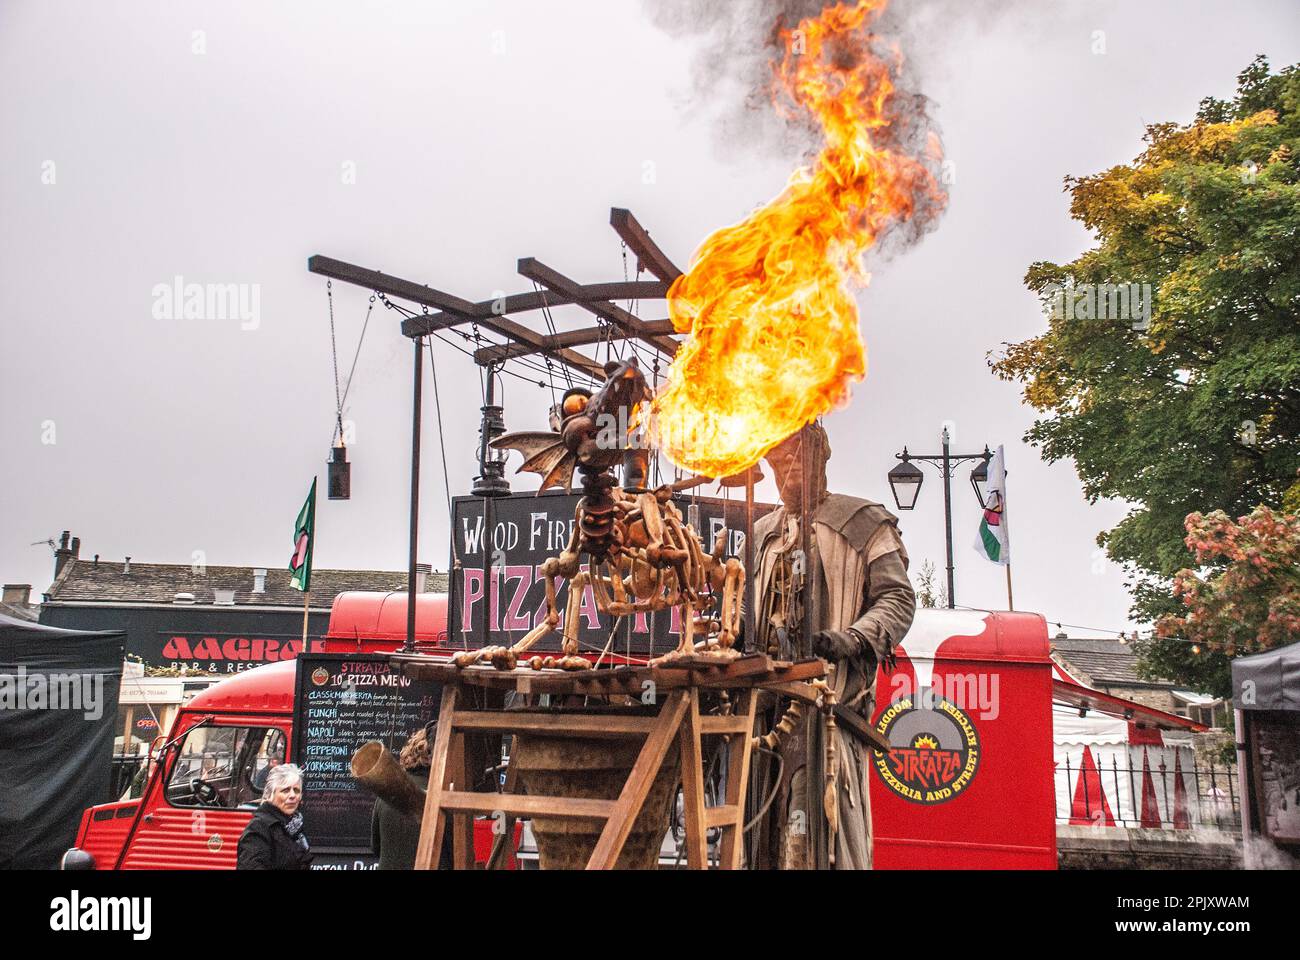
point(640, 555)
point(862, 606)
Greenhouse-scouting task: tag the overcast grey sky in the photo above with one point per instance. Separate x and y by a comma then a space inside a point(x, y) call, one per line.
point(144, 141)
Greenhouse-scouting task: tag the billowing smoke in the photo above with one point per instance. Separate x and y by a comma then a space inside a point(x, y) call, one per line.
point(733, 84)
point(731, 75)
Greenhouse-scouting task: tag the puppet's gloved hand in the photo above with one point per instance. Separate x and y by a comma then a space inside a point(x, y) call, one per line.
point(837, 645)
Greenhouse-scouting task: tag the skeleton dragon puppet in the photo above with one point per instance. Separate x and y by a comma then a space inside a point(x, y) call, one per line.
point(640, 555)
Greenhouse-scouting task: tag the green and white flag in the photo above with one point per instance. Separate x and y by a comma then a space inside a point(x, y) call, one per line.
point(304, 535)
point(994, 540)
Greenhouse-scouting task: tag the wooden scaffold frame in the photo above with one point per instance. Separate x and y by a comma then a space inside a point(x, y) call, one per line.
point(680, 683)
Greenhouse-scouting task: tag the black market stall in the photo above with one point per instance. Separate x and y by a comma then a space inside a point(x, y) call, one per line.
point(58, 707)
point(1266, 698)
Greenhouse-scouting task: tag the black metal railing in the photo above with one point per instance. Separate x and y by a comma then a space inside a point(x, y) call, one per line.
point(124, 769)
point(1210, 795)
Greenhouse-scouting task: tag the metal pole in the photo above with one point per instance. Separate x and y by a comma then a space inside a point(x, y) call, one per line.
point(815, 732)
point(416, 392)
point(947, 515)
point(759, 768)
point(1246, 801)
point(751, 633)
point(804, 645)
point(488, 518)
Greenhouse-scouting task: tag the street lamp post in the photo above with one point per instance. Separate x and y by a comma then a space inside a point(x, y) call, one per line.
point(905, 481)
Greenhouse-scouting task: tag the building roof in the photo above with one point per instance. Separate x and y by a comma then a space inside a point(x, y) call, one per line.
point(26, 611)
point(102, 581)
point(17, 602)
point(1103, 662)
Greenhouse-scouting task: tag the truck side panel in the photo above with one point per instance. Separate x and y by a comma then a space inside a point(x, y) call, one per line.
point(104, 829)
point(171, 838)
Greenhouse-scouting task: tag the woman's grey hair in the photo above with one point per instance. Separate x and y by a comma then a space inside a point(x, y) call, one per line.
point(280, 776)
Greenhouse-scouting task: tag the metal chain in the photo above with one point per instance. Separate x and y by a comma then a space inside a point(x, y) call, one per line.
point(357, 356)
point(334, 351)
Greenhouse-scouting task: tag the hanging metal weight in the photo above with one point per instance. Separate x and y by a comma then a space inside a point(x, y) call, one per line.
point(340, 474)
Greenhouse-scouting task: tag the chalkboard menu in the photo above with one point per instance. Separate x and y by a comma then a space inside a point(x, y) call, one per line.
point(341, 701)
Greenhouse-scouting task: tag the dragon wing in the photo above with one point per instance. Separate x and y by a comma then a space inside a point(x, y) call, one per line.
point(544, 454)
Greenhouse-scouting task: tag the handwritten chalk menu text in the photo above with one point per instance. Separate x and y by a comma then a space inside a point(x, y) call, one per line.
point(341, 702)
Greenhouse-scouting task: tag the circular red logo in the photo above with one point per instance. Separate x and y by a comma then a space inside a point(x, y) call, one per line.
point(933, 753)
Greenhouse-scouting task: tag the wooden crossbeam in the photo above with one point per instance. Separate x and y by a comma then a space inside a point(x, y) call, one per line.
point(519, 721)
point(463, 310)
point(647, 251)
point(567, 338)
point(720, 816)
point(745, 671)
point(737, 724)
point(523, 805)
point(389, 286)
point(538, 299)
point(594, 727)
point(631, 325)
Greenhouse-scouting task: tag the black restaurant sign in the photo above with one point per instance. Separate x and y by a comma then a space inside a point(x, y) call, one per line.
point(342, 701)
point(201, 638)
point(528, 529)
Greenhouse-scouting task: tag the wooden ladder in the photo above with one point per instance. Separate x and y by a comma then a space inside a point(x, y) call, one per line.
point(680, 717)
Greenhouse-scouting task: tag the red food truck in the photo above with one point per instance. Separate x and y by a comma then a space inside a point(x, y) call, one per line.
point(967, 783)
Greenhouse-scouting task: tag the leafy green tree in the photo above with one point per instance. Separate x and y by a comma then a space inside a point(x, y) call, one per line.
point(1188, 400)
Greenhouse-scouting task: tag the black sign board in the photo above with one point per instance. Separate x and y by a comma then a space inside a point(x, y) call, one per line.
point(527, 530)
point(341, 701)
point(217, 640)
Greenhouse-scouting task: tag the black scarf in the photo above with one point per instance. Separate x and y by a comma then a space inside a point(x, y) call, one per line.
point(292, 825)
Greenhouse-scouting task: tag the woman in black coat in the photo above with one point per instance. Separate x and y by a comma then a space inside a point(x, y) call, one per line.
point(274, 838)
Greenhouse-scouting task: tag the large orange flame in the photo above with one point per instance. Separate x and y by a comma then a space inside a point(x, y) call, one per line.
point(773, 325)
